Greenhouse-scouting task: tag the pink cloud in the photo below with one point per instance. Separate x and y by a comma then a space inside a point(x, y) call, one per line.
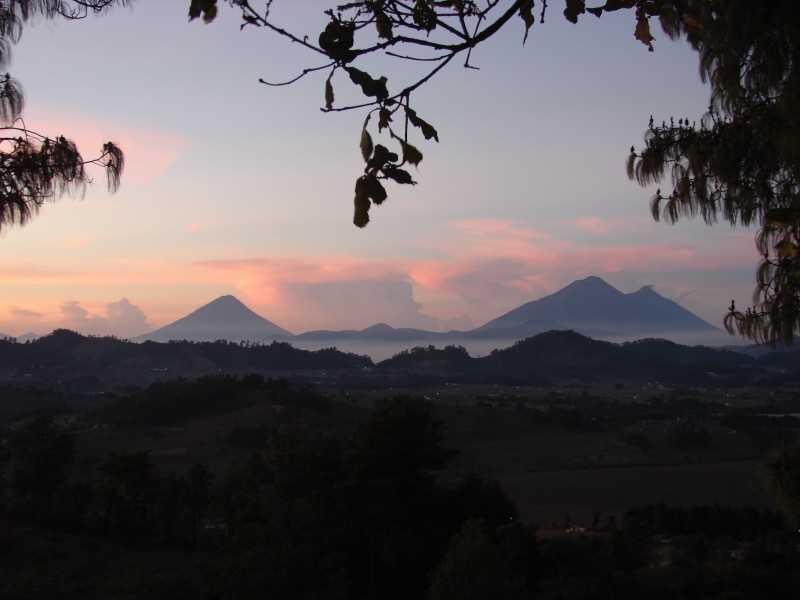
point(24, 313)
point(195, 227)
point(148, 153)
point(493, 265)
point(341, 293)
point(594, 225)
point(482, 268)
point(78, 241)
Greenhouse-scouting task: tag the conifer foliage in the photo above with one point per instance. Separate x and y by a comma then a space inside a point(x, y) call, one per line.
point(740, 162)
point(34, 167)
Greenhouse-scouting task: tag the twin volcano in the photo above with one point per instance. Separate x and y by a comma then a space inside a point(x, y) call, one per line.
point(595, 308)
point(589, 306)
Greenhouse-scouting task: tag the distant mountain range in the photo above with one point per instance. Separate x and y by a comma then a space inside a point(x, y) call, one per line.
point(589, 306)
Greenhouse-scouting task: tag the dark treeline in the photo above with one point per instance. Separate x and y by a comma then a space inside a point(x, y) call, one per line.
point(63, 348)
point(744, 524)
point(64, 358)
point(167, 403)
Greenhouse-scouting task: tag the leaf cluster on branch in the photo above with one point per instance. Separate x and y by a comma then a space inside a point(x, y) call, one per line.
point(34, 167)
point(428, 33)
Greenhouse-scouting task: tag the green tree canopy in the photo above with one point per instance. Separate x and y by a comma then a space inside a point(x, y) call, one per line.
point(737, 163)
point(35, 167)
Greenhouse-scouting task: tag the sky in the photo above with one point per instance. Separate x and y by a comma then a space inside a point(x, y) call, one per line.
point(233, 187)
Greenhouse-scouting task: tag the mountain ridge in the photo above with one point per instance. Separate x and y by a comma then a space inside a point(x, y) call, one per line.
point(589, 306)
point(592, 306)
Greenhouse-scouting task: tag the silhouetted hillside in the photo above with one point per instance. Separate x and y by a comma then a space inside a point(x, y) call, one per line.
point(67, 361)
point(571, 355)
point(450, 358)
point(64, 356)
point(564, 354)
point(556, 355)
point(670, 352)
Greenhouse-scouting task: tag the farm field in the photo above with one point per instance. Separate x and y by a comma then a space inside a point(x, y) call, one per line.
point(550, 498)
point(553, 471)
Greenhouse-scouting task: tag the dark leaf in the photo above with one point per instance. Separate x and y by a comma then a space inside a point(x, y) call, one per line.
point(205, 8)
point(643, 31)
point(427, 129)
point(374, 189)
point(612, 5)
point(380, 157)
point(574, 9)
point(337, 40)
point(526, 14)
point(362, 204)
point(411, 155)
point(384, 25)
point(424, 15)
point(375, 88)
point(366, 143)
point(328, 93)
point(398, 175)
point(384, 118)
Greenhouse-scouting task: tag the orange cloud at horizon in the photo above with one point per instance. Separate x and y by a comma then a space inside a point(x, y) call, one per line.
point(490, 267)
point(479, 269)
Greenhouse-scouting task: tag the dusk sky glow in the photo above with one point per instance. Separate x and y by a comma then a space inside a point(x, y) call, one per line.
point(232, 187)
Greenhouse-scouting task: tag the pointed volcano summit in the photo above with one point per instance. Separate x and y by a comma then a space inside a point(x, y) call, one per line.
point(593, 307)
point(225, 318)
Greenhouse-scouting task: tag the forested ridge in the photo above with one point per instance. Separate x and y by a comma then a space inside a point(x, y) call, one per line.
point(69, 361)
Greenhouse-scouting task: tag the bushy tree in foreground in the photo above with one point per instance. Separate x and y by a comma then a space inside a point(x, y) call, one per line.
point(35, 167)
point(364, 518)
point(738, 163)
